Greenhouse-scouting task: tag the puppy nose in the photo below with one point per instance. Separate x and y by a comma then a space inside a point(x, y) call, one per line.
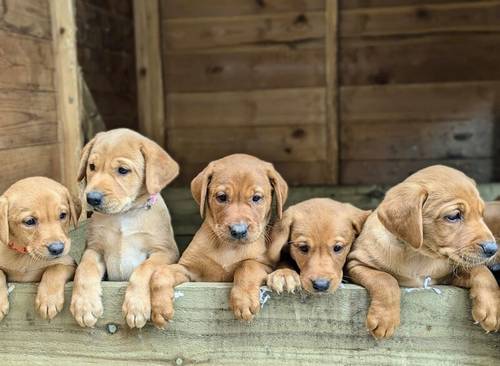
point(238, 231)
point(321, 284)
point(94, 198)
point(489, 248)
point(56, 247)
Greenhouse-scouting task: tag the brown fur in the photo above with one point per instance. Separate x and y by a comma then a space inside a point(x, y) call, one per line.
point(213, 255)
point(408, 238)
point(316, 225)
point(43, 200)
point(125, 240)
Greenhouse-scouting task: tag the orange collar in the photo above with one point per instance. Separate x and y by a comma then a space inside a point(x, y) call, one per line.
point(17, 248)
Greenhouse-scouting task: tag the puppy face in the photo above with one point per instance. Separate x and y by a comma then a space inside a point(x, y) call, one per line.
point(319, 233)
point(119, 166)
point(235, 194)
point(439, 212)
point(35, 216)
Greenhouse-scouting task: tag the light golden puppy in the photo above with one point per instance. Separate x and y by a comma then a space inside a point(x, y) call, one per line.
point(312, 241)
point(35, 216)
point(429, 226)
point(130, 232)
point(235, 195)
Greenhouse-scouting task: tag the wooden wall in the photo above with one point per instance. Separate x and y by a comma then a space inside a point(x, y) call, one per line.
point(28, 116)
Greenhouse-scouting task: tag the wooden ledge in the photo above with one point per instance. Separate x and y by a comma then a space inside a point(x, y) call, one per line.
point(290, 329)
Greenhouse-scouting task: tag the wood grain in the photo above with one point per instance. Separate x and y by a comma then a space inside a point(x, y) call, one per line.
point(26, 17)
point(355, 4)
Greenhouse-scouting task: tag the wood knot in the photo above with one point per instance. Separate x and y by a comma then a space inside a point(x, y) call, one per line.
point(298, 133)
point(215, 69)
point(300, 20)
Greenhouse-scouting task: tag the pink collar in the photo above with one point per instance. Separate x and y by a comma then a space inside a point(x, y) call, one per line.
point(151, 201)
point(17, 248)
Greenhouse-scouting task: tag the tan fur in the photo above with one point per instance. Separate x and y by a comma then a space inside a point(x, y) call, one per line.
point(44, 200)
point(213, 255)
point(408, 238)
point(316, 225)
point(125, 240)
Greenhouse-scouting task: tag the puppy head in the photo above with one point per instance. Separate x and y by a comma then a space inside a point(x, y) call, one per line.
point(119, 166)
point(319, 233)
point(235, 196)
point(439, 212)
point(35, 216)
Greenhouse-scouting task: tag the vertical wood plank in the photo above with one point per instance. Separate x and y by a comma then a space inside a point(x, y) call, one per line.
point(149, 70)
point(332, 87)
point(68, 90)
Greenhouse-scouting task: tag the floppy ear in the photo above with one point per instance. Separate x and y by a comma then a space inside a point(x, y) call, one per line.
point(280, 235)
point(199, 187)
point(401, 212)
point(160, 168)
point(280, 189)
point(84, 158)
point(75, 208)
point(358, 219)
point(4, 220)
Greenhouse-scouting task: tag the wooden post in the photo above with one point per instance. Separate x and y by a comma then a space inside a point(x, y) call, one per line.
point(68, 89)
point(149, 69)
point(332, 87)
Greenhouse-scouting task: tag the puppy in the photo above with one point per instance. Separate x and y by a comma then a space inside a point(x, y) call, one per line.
point(35, 216)
point(430, 225)
point(492, 219)
point(130, 232)
point(312, 241)
point(235, 196)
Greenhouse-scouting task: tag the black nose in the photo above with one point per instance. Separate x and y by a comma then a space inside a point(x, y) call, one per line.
point(239, 231)
point(56, 247)
point(320, 284)
point(94, 198)
point(489, 248)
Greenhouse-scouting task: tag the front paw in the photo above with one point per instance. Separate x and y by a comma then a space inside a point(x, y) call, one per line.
point(136, 308)
point(284, 279)
point(382, 320)
point(86, 307)
point(244, 303)
point(49, 301)
point(486, 310)
point(4, 306)
point(162, 307)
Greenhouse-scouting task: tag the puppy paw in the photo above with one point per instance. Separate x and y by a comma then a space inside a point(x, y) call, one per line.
point(284, 279)
point(486, 311)
point(49, 301)
point(136, 308)
point(86, 308)
point(4, 306)
point(382, 321)
point(162, 308)
point(244, 303)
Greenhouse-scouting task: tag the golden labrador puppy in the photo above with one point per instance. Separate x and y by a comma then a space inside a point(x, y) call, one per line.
point(429, 226)
point(35, 216)
point(312, 241)
point(235, 196)
point(130, 232)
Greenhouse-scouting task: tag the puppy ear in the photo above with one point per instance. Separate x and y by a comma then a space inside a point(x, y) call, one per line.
point(84, 158)
point(358, 218)
point(401, 212)
point(160, 168)
point(4, 220)
point(199, 187)
point(280, 189)
point(280, 235)
point(75, 208)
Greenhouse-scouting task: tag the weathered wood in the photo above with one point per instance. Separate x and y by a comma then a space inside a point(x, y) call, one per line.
point(26, 17)
point(355, 4)
point(149, 70)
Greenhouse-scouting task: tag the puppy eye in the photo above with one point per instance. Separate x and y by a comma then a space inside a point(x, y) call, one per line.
point(63, 215)
point(256, 198)
point(221, 197)
point(29, 221)
point(456, 217)
point(304, 248)
point(337, 248)
point(123, 171)
point(92, 167)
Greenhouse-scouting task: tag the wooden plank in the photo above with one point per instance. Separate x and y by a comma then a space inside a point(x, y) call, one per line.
point(68, 88)
point(27, 118)
point(332, 86)
point(277, 107)
point(197, 33)
point(149, 70)
point(394, 171)
point(39, 160)
point(437, 58)
point(422, 19)
point(264, 67)
point(113, 7)
point(356, 4)
point(26, 17)
point(172, 9)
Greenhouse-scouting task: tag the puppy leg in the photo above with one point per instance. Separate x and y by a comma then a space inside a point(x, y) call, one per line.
point(50, 296)
point(284, 278)
point(485, 296)
point(86, 304)
point(137, 304)
point(163, 283)
point(248, 278)
point(4, 295)
point(384, 312)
